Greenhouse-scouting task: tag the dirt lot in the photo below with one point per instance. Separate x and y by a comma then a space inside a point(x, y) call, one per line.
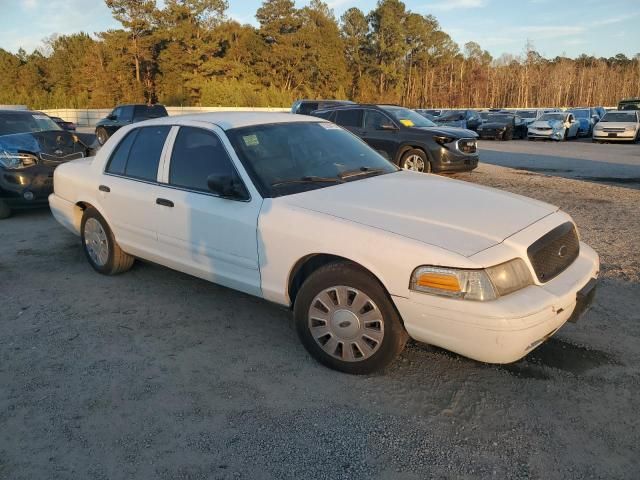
point(154, 374)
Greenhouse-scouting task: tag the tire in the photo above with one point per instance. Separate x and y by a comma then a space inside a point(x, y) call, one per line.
point(531, 139)
point(508, 135)
point(348, 346)
point(98, 237)
point(415, 160)
point(102, 135)
point(5, 211)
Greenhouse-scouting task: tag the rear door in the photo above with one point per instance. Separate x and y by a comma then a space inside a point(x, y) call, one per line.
point(199, 232)
point(129, 189)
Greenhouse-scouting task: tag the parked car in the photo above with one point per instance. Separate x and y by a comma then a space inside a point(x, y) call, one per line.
point(296, 210)
point(63, 124)
point(429, 112)
point(125, 115)
point(528, 116)
point(502, 126)
point(468, 119)
point(555, 126)
point(629, 104)
point(407, 138)
point(587, 118)
point(31, 147)
point(305, 107)
point(618, 126)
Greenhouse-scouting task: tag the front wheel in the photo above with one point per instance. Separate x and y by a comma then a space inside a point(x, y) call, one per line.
point(415, 160)
point(100, 246)
point(5, 211)
point(102, 135)
point(346, 320)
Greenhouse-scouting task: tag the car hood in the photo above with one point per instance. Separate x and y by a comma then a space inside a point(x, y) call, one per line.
point(54, 145)
point(454, 215)
point(617, 124)
point(453, 132)
point(553, 124)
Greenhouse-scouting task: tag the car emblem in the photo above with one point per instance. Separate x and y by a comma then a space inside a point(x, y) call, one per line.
point(58, 152)
point(562, 251)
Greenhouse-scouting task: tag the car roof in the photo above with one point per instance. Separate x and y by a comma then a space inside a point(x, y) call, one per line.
point(229, 120)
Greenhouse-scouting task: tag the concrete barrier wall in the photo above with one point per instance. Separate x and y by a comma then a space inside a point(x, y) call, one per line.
point(89, 117)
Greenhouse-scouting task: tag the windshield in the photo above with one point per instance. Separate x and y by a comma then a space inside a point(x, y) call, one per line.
point(629, 105)
point(526, 114)
point(25, 122)
point(582, 113)
point(408, 118)
point(451, 116)
point(620, 117)
point(553, 116)
point(287, 158)
point(500, 118)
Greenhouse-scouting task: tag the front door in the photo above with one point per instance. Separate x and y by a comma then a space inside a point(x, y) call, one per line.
point(380, 133)
point(199, 232)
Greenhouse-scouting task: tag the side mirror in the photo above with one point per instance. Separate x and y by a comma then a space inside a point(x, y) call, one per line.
point(388, 127)
point(227, 186)
point(111, 117)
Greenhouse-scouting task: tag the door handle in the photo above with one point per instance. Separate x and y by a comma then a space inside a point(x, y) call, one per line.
point(164, 202)
point(104, 188)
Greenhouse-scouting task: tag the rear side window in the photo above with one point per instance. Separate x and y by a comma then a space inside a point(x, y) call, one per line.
point(349, 118)
point(118, 160)
point(138, 155)
point(307, 107)
point(144, 112)
point(197, 154)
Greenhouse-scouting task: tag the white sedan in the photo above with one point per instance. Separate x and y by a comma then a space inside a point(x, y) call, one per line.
point(302, 213)
point(554, 126)
point(618, 126)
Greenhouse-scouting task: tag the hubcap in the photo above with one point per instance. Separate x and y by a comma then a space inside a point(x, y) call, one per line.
point(346, 323)
point(95, 240)
point(415, 163)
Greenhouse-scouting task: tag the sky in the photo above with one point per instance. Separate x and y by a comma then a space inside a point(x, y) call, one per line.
point(568, 27)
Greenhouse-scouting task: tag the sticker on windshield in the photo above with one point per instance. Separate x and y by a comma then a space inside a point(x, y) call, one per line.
point(40, 117)
point(250, 140)
point(406, 122)
point(329, 126)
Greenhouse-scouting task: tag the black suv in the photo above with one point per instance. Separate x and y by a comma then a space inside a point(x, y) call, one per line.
point(124, 115)
point(305, 107)
point(407, 138)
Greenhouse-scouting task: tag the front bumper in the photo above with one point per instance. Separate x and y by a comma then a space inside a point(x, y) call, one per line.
point(26, 188)
point(619, 136)
point(451, 159)
point(491, 134)
point(506, 329)
point(546, 134)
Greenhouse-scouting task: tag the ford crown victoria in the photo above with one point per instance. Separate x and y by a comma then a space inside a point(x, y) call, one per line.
point(300, 212)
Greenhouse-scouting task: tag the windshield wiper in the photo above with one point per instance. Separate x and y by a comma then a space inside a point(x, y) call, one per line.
point(362, 171)
point(308, 179)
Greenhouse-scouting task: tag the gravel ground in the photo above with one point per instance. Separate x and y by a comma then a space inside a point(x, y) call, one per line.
point(155, 374)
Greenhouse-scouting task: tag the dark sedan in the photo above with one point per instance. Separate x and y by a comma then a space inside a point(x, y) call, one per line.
point(63, 124)
point(407, 138)
point(31, 147)
point(502, 126)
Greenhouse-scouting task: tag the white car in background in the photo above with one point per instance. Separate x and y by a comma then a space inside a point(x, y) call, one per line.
point(554, 126)
point(300, 212)
point(618, 126)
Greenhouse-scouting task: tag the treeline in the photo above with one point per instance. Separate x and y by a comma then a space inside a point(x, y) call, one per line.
point(189, 53)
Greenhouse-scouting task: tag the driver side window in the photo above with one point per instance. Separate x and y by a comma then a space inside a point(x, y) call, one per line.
point(374, 120)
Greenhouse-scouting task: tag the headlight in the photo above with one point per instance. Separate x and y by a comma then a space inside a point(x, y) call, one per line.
point(442, 140)
point(630, 128)
point(17, 161)
point(479, 285)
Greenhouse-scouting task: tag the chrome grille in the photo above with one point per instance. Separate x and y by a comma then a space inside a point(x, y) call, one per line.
point(552, 254)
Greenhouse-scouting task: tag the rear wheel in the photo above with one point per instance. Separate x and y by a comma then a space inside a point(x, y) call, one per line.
point(102, 135)
point(5, 211)
point(415, 160)
point(346, 320)
point(100, 247)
